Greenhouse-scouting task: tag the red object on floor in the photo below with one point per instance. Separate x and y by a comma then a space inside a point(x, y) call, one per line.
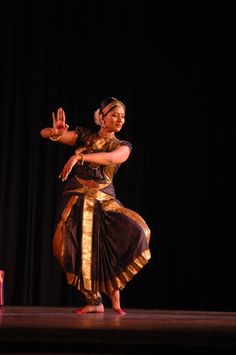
point(1, 287)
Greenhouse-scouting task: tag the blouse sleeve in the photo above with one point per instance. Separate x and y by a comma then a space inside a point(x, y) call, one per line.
point(82, 135)
point(128, 144)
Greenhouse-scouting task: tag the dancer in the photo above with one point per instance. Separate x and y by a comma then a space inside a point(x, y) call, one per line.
point(99, 243)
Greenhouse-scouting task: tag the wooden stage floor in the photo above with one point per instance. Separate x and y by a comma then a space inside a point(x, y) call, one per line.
point(56, 330)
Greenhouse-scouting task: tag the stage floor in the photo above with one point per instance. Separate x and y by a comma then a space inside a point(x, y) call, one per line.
point(57, 330)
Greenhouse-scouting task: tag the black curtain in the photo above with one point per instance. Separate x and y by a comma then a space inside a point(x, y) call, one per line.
point(172, 64)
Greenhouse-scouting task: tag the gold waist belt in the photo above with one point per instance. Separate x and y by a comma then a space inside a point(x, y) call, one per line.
point(91, 188)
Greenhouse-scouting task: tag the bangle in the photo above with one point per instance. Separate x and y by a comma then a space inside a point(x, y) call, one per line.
point(56, 138)
point(53, 137)
point(80, 158)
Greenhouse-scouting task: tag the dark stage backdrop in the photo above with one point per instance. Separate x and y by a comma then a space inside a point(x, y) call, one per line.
point(172, 64)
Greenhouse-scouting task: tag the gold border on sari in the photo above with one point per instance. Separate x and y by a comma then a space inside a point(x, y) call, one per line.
point(59, 235)
point(112, 205)
point(87, 241)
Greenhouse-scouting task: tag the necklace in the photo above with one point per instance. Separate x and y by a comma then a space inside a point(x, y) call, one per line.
point(106, 135)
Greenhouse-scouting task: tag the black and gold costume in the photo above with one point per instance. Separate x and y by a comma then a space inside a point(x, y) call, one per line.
point(99, 243)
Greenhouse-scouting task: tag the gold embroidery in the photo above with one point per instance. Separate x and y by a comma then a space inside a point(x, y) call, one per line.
point(72, 279)
point(131, 270)
point(92, 184)
point(59, 235)
point(87, 241)
point(114, 206)
point(108, 171)
point(120, 281)
point(90, 189)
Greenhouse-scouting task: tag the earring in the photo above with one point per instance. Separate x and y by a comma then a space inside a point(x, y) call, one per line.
point(103, 123)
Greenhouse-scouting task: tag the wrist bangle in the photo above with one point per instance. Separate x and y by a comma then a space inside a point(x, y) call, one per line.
point(82, 159)
point(53, 137)
point(56, 138)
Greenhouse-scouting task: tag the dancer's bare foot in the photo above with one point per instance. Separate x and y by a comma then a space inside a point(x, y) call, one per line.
point(115, 299)
point(90, 309)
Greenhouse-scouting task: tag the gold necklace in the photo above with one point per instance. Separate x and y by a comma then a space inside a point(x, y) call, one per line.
point(106, 135)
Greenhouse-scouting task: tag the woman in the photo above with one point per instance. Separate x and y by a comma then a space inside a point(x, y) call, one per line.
point(98, 242)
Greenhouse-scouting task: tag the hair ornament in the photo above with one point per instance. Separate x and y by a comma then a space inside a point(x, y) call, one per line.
point(97, 117)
